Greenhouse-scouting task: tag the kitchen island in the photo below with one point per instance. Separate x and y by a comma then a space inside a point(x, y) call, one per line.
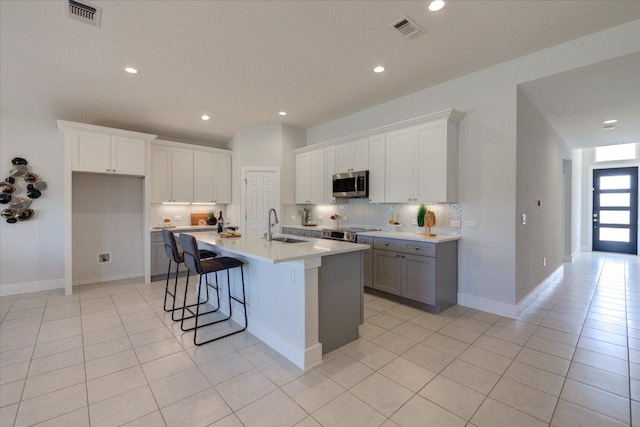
point(304, 299)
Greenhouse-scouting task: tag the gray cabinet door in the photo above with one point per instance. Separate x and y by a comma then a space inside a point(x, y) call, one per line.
point(367, 267)
point(387, 273)
point(159, 260)
point(419, 278)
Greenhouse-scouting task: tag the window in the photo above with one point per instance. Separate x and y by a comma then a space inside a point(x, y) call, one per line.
point(610, 153)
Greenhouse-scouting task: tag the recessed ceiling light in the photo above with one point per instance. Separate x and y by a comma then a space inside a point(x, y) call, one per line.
point(608, 122)
point(205, 117)
point(131, 70)
point(436, 5)
point(378, 69)
point(283, 113)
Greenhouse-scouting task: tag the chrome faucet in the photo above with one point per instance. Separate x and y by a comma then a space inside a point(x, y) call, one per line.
point(269, 235)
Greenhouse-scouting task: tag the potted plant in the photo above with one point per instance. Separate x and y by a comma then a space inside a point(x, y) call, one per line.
point(211, 219)
point(422, 211)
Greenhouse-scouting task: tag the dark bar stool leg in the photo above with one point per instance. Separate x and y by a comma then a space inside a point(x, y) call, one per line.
point(242, 302)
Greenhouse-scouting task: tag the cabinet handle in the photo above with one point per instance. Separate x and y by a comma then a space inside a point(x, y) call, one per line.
point(386, 244)
point(417, 248)
point(402, 256)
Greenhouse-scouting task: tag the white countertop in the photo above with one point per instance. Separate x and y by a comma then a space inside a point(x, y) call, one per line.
point(419, 237)
point(440, 238)
point(253, 245)
point(187, 228)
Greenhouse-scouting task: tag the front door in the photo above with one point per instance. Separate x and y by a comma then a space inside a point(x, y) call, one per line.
point(261, 195)
point(615, 210)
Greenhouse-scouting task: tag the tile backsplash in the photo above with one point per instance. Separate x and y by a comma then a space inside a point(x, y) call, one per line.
point(362, 213)
point(159, 212)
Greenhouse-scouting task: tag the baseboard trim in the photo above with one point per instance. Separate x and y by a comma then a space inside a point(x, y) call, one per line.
point(488, 305)
point(39, 285)
point(107, 279)
point(303, 358)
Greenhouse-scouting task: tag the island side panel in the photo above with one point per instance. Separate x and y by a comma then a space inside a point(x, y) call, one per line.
point(340, 294)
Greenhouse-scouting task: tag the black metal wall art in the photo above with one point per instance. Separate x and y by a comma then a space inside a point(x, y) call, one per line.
point(11, 192)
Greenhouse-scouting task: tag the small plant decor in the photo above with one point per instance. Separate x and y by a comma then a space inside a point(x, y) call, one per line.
point(422, 211)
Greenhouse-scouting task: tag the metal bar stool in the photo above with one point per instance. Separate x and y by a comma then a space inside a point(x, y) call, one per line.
point(171, 249)
point(203, 268)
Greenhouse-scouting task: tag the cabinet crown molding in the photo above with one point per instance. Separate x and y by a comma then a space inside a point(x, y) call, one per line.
point(65, 126)
point(451, 114)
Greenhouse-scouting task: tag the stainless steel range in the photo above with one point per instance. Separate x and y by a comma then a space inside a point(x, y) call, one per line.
point(347, 234)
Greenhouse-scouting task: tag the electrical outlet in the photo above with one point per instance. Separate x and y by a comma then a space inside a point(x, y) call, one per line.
point(345, 218)
point(177, 217)
point(320, 217)
point(524, 219)
point(471, 224)
point(544, 261)
point(293, 216)
point(455, 224)
point(414, 221)
point(104, 258)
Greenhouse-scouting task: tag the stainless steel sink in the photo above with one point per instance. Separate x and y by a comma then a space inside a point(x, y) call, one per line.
point(287, 240)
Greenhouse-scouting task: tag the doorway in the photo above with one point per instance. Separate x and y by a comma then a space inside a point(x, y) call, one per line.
point(615, 210)
point(261, 191)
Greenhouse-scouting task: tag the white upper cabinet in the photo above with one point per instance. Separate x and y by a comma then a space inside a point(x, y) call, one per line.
point(104, 153)
point(377, 168)
point(400, 179)
point(329, 170)
point(211, 177)
point(203, 177)
point(352, 156)
point(160, 173)
point(422, 163)
point(182, 174)
point(437, 161)
point(310, 177)
point(222, 178)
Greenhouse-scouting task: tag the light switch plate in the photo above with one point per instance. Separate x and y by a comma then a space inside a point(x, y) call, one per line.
point(471, 224)
point(455, 224)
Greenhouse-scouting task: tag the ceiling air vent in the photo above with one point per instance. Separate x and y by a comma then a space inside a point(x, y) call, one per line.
point(83, 12)
point(408, 28)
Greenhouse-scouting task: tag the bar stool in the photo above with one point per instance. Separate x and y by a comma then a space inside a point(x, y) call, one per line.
point(203, 268)
point(171, 249)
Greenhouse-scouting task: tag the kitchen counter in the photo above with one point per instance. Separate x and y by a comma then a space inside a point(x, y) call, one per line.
point(440, 238)
point(253, 245)
point(304, 299)
point(187, 228)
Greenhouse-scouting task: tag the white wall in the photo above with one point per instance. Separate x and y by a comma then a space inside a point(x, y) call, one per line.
point(488, 152)
point(539, 178)
point(31, 252)
point(577, 184)
point(265, 145)
point(96, 198)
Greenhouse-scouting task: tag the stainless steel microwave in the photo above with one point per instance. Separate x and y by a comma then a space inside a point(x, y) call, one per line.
point(351, 184)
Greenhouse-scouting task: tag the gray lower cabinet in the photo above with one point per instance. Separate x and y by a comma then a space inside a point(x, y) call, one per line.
point(419, 271)
point(367, 261)
point(159, 260)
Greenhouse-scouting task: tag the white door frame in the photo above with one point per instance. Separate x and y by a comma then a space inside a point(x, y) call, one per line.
point(243, 190)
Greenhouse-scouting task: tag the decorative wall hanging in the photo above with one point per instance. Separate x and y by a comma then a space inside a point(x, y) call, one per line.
point(10, 192)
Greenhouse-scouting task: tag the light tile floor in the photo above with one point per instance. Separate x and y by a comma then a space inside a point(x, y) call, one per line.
point(108, 355)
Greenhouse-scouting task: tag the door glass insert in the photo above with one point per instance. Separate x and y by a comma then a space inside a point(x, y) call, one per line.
point(614, 234)
point(615, 217)
point(615, 200)
point(616, 182)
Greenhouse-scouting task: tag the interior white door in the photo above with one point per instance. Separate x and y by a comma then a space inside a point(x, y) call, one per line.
point(261, 195)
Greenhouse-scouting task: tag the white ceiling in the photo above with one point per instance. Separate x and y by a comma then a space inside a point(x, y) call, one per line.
point(243, 61)
point(578, 101)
